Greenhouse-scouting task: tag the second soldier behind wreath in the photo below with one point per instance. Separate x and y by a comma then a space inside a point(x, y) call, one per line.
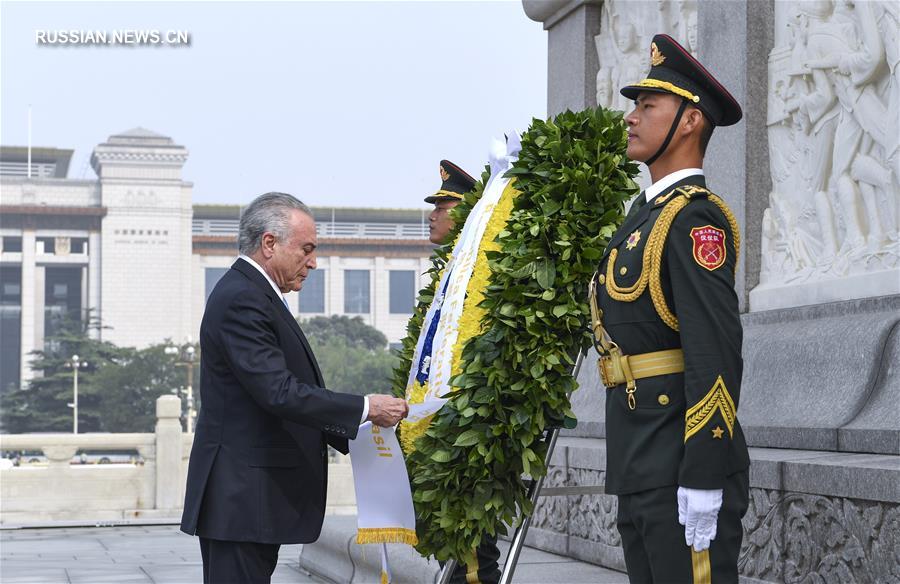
point(667, 326)
point(455, 182)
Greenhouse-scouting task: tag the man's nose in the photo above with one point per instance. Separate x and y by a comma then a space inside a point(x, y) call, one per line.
point(312, 262)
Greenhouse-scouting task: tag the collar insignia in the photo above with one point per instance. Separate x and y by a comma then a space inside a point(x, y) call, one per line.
point(656, 57)
point(633, 240)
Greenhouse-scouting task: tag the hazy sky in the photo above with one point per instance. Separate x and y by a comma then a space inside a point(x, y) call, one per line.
point(339, 103)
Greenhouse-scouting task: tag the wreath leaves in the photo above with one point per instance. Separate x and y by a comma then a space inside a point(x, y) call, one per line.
point(466, 471)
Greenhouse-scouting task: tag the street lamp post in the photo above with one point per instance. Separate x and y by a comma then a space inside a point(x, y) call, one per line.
point(189, 363)
point(75, 363)
point(186, 359)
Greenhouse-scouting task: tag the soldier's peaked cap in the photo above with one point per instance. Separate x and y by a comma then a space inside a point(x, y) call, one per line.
point(455, 182)
point(673, 70)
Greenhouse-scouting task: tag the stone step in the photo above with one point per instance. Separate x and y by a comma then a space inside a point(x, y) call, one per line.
point(337, 558)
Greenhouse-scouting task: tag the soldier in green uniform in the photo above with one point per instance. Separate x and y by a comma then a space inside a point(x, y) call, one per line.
point(667, 327)
point(455, 182)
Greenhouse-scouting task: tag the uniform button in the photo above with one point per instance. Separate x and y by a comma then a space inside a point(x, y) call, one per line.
point(623, 270)
point(663, 400)
point(602, 279)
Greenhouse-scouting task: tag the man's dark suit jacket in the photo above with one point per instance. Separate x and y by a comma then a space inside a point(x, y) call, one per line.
point(258, 468)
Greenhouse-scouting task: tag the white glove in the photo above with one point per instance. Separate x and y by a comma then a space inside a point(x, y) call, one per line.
point(698, 511)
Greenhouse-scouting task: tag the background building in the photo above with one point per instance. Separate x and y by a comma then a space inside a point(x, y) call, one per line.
point(130, 248)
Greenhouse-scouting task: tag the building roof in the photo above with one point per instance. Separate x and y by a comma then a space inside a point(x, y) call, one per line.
point(140, 137)
point(337, 214)
point(55, 160)
point(140, 132)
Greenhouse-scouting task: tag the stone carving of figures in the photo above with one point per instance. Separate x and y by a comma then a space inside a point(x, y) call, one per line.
point(605, 90)
point(626, 27)
point(834, 110)
point(854, 52)
point(631, 60)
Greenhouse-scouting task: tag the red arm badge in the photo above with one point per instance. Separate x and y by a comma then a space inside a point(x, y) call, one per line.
point(709, 246)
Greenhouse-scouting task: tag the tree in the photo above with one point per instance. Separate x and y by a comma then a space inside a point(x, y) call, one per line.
point(117, 390)
point(352, 331)
point(352, 355)
point(41, 406)
point(131, 386)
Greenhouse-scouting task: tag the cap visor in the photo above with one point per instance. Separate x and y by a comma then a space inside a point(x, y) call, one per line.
point(438, 198)
point(632, 91)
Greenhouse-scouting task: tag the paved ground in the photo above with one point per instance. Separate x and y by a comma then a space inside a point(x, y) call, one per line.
point(88, 555)
point(162, 554)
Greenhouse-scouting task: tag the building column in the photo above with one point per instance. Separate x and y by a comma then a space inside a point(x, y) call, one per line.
point(379, 293)
point(26, 343)
point(93, 295)
point(334, 291)
point(40, 303)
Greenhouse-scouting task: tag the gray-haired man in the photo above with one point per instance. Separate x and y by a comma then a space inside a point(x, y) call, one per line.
point(258, 467)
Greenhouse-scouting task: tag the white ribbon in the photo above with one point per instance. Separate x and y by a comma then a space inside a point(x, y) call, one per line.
point(456, 278)
point(383, 497)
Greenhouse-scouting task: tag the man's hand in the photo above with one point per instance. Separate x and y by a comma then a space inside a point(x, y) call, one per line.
point(698, 511)
point(385, 410)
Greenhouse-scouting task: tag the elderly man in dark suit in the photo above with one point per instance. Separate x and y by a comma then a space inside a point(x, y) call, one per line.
point(258, 468)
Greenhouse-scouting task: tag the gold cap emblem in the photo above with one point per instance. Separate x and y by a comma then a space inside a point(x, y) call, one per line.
point(656, 58)
point(444, 174)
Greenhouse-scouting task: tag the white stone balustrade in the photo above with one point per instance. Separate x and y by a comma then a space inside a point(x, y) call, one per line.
point(62, 491)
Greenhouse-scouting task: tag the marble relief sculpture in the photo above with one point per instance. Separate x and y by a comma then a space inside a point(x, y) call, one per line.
point(626, 26)
point(833, 142)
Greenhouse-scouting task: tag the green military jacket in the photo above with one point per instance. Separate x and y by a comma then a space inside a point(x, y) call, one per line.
point(666, 281)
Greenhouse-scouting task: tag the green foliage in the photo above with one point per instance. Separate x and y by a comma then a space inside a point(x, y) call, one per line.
point(117, 389)
point(41, 407)
point(351, 331)
point(466, 471)
point(352, 355)
point(131, 386)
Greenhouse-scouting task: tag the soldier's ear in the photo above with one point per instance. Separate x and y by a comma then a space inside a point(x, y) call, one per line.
point(693, 120)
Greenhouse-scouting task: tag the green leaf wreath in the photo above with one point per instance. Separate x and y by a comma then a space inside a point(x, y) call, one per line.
point(466, 470)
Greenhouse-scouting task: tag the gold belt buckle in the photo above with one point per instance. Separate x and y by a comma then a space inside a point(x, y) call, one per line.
point(612, 373)
point(604, 376)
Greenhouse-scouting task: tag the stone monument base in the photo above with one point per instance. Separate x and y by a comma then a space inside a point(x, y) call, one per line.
point(813, 516)
point(867, 285)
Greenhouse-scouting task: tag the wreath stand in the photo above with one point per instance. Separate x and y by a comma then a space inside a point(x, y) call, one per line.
point(535, 490)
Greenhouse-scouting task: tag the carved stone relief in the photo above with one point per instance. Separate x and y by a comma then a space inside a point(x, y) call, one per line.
point(593, 517)
point(623, 45)
point(834, 132)
point(792, 538)
point(590, 517)
point(803, 539)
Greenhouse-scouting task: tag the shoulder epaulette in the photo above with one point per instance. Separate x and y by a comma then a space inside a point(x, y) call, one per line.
point(688, 191)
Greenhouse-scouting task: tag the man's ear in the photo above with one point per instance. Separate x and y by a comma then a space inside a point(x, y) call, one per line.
point(267, 245)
